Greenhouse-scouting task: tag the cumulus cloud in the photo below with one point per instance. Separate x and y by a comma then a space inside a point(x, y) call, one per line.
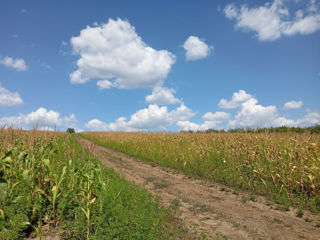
point(96, 125)
point(293, 105)
point(236, 100)
point(153, 117)
point(104, 84)
point(8, 99)
point(114, 51)
point(181, 113)
point(196, 48)
point(210, 120)
point(41, 117)
point(310, 119)
point(272, 21)
point(189, 126)
point(162, 96)
point(252, 114)
point(18, 64)
point(216, 117)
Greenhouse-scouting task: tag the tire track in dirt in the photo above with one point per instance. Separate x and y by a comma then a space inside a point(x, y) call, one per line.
point(204, 207)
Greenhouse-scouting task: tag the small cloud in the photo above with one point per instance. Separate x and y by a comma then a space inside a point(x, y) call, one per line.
point(162, 96)
point(64, 43)
point(45, 65)
point(104, 84)
point(293, 105)
point(236, 100)
point(18, 63)
point(8, 99)
point(23, 10)
point(210, 120)
point(196, 48)
point(272, 21)
point(15, 35)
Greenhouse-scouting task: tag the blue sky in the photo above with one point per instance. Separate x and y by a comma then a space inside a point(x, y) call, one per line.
point(159, 65)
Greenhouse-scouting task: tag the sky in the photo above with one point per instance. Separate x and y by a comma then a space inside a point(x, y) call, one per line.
point(123, 65)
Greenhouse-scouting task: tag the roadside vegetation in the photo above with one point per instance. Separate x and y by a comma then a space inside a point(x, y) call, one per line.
point(282, 165)
point(47, 179)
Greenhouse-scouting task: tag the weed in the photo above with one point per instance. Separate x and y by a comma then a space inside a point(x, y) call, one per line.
point(216, 198)
point(220, 236)
point(277, 220)
point(161, 185)
point(253, 197)
point(244, 199)
point(299, 212)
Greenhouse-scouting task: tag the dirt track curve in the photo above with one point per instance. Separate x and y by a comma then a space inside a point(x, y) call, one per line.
point(205, 207)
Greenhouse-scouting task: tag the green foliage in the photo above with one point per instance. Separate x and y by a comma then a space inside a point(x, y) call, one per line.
point(282, 129)
point(55, 182)
point(300, 212)
point(71, 130)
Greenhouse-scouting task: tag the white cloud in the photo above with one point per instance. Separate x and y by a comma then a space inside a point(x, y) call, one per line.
point(237, 98)
point(64, 43)
point(272, 21)
point(188, 126)
point(216, 117)
point(104, 84)
point(282, 121)
point(293, 105)
point(8, 98)
point(151, 118)
point(45, 65)
point(310, 119)
point(210, 120)
point(181, 113)
point(18, 63)
point(231, 11)
point(113, 51)
point(251, 114)
point(96, 125)
point(121, 125)
point(162, 96)
point(196, 48)
point(41, 117)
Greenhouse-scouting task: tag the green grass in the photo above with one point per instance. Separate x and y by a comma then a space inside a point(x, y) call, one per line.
point(53, 181)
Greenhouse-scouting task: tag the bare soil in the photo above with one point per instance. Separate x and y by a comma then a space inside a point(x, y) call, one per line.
point(209, 208)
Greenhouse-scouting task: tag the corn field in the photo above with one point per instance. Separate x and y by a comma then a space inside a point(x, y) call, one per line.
point(284, 167)
point(46, 178)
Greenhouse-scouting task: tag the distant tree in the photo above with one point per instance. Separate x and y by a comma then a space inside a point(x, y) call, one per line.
point(71, 130)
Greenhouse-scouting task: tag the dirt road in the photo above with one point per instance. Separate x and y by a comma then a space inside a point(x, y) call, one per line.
point(210, 208)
